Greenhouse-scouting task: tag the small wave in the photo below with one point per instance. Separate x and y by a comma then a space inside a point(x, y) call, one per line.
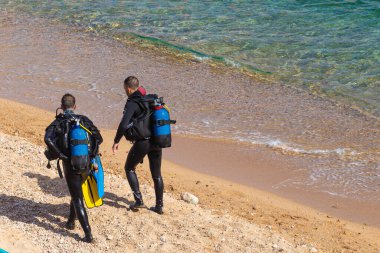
point(288, 148)
point(281, 145)
point(256, 138)
point(335, 194)
point(201, 58)
point(194, 53)
point(93, 87)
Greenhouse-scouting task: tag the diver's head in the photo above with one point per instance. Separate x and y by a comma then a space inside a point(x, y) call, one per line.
point(131, 84)
point(68, 102)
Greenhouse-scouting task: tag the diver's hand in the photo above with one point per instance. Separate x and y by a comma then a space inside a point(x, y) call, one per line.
point(95, 166)
point(115, 147)
point(63, 157)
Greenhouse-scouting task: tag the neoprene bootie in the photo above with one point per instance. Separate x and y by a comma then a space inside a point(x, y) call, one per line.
point(138, 204)
point(87, 235)
point(70, 224)
point(88, 238)
point(157, 209)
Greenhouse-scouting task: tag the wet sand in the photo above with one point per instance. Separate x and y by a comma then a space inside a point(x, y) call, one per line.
point(42, 61)
point(260, 168)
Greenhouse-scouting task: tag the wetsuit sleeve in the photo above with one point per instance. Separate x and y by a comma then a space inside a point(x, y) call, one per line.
point(50, 138)
point(129, 111)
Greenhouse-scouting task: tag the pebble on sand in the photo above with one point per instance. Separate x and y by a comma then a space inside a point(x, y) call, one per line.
point(189, 198)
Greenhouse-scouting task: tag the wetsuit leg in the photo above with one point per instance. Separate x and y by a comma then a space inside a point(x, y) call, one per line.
point(74, 183)
point(70, 224)
point(155, 157)
point(135, 156)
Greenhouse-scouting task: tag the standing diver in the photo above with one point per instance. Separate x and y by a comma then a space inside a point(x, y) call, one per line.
point(142, 146)
point(56, 138)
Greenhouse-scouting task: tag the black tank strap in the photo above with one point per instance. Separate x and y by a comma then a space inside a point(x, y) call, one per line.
point(78, 142)
point(162, 122)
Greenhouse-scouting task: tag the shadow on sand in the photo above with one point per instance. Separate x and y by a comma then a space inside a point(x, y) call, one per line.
point(41, 214)
point(57, 187)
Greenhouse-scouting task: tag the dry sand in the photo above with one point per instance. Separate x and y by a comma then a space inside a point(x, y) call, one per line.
point(35, 204)
point(229, 218)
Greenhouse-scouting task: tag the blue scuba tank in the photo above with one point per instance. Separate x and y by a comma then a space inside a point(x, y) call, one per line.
point(161, 134)
point(79, 147)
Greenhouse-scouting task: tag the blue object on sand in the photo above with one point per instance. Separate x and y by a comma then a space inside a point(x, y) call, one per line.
point(99, 176)
point(3, 251)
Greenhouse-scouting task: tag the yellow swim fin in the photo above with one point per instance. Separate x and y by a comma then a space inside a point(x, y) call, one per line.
point(90, 192)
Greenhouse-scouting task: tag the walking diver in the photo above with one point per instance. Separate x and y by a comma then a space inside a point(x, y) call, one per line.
point(57, 138)
point(142, 144)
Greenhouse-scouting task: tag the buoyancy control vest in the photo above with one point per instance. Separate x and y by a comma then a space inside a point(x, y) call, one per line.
point(73, 140)
point(154, 122)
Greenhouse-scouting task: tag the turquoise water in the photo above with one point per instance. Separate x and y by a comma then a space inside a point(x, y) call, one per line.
point(326, 46)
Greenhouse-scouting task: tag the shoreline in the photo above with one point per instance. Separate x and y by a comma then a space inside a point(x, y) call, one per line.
point(224, 197)
point(266, 170)
point(259, 168)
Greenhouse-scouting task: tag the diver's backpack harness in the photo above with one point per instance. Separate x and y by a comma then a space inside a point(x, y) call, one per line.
point(74, 140)
point(153, 123)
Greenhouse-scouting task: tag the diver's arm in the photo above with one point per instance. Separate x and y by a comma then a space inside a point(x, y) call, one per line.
point(129, 111)
point(49, 140)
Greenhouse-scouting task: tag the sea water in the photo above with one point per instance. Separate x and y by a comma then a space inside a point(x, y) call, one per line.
point(329, 46)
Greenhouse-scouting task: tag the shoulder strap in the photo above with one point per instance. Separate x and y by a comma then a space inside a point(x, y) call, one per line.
point(140, 103)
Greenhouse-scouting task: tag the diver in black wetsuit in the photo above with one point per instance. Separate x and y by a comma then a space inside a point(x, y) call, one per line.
point(142, 146)
point(54, 139)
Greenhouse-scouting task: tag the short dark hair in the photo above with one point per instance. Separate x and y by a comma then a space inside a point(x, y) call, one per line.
point(131, 82)
point(68, 101)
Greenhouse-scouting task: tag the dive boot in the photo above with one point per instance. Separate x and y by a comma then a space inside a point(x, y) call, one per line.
point(157, 209)
point(88, 238)
point(87, 235)
point(137, 205)
point(70, 224)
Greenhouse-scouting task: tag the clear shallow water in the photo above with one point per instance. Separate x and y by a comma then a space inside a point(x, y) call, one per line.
point(326, 46)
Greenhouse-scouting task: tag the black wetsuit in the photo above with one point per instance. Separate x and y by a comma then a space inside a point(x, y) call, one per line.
point(74, 180)
point(139, 150)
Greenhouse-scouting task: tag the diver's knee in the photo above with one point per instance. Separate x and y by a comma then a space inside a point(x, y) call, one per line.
point(157, 180)
point(129, 169)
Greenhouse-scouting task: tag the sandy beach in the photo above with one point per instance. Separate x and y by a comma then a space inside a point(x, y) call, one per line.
point(243, 190)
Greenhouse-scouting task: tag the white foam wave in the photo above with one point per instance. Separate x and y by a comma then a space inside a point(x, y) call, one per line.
point(201, 58)
point(257, 138)
point(287, 147)
point(93, 87)
point(278, 144)
point(233, 63)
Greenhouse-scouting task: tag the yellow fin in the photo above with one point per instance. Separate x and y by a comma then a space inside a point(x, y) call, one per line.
point(90, 192)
